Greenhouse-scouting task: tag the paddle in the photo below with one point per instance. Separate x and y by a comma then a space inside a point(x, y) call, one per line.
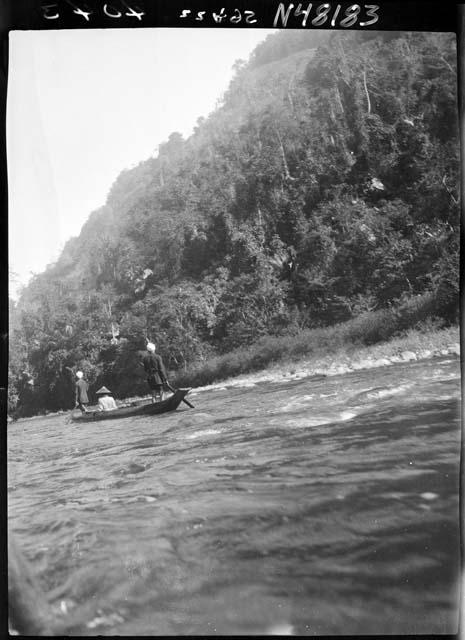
point(70, 414)
point(184, 399)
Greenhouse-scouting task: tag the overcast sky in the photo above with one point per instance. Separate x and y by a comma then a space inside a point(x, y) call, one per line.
point(85, 104)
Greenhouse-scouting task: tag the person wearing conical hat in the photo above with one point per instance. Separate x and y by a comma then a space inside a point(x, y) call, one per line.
point(105, 401)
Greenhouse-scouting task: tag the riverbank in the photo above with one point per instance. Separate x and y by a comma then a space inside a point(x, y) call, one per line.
point(414, 345)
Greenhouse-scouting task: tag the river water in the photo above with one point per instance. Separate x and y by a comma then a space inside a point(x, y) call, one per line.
point(311, 506)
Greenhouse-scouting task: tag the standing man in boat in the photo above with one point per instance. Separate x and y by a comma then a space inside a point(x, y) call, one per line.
point(155, 371)
point(82, 387)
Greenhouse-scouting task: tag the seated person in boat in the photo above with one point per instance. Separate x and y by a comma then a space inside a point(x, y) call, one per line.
point(105, 401)
point(155, 371)
point(81, 399)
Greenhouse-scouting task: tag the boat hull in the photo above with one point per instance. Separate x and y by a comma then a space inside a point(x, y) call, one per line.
point(147, 409)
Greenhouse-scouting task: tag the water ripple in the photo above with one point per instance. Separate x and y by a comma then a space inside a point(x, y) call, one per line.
point(322, 506)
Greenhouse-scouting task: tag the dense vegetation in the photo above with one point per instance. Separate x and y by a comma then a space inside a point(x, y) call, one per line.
point(323, 189)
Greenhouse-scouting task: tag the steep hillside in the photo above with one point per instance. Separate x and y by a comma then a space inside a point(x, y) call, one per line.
point(325, 185)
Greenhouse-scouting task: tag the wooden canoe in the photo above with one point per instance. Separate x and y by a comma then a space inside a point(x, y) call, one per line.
point(146, 409)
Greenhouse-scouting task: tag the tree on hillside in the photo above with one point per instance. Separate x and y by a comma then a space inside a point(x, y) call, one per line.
point(324, 186)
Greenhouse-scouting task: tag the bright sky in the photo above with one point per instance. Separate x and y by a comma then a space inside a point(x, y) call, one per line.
point(85, 104)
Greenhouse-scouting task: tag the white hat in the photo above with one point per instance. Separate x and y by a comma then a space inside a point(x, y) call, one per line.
point(79, 374)
point(150, 347)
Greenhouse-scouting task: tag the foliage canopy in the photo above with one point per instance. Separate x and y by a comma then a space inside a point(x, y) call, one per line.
point(325, 186)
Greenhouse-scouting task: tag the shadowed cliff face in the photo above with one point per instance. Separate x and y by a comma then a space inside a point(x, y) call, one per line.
point(305, 507)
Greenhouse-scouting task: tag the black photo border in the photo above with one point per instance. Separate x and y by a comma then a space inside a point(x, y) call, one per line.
point(255, 14)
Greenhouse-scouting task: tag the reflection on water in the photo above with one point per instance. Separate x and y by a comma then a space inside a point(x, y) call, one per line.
point(305, 507)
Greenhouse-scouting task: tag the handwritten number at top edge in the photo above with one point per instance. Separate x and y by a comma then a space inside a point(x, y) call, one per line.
point(79, 11)
point(132, 13)
point(46, 8)
point(335, 15)
point(236, 17)
point(50, 11)
point(111, 15)
point(371, 10)
point(327, 13)
point(250, 19)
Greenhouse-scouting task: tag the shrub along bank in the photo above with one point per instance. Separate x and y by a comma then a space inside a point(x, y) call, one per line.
point(408, 321)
